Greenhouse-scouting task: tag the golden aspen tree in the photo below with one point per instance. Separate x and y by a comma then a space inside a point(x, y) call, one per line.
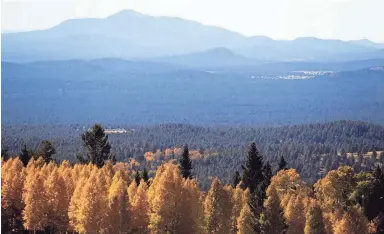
point(31, 163)
point(288, 182)
point(12, 183)
point(107, 169)
point(272, 219)
point(237, 202)
point(40, 162)
point(352, 222)
point(246, 221)
point(334, 189)
point(139, 207)
point(314, 223)
point(294, 215)
point(57, 203)
point(74, 215)
point(132, 189)
point(12, 178)
point(117, 202)
point(89, 205)
point(164, 196)
point(190, 199)
point(217, 209)
point(34, 213)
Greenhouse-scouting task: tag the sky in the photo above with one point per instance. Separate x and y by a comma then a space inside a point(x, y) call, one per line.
point(278, 19)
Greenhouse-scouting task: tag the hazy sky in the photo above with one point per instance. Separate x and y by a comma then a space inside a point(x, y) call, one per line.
point(278, 19)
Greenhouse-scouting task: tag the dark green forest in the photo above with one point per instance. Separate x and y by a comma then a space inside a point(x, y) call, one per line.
point(311, 149)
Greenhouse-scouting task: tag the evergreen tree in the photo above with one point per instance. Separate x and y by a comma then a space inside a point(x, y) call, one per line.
point(282, 164)
point(236, 179)
point(186, 163)
point(137, 178)
point(253, 180)
point(374, 156)
point(253, 173)
point(145, 176)
point(46, 151)
point(314, 221)
point(381, 156)
point(375, 202)
point(262, 190)
point(24, 156)
point(4, 154)
point(97, 146)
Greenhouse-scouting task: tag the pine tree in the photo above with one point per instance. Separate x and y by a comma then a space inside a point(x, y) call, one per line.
point(46, 151)
point(25, 156)
point(253, 173)
point(4, 154)
point(374, 202)
point(236, 179)
point(145, 176)
point(272, 219)
point(137, 178)
point(282, 164)
point(186, 163)
point(98, 149)
point(261, 192)
point(314, 223)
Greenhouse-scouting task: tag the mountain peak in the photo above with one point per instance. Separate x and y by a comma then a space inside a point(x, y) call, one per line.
point(126, 13)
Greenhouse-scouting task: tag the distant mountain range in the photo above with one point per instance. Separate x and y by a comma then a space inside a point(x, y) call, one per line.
point(132, 35)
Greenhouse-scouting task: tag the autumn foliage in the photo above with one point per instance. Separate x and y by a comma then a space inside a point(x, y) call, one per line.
point(86, 199)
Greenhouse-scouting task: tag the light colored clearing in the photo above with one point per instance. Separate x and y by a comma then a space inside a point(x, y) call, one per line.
point(115, 131)
point(368, 154)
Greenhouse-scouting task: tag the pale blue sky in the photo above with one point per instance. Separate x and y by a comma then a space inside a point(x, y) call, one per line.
point(278, 19)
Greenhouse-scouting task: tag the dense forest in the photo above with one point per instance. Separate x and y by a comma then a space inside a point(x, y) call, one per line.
point(113, 91)
point(96, 196)
point(312, 149)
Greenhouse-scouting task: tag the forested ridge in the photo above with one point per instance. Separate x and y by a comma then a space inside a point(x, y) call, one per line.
point(311, 149)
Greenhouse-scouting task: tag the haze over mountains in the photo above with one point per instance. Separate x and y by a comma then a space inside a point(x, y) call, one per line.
point(132, 35)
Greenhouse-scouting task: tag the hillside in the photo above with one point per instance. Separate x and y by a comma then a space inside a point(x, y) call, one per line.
point(310, 149)
point(117, 91)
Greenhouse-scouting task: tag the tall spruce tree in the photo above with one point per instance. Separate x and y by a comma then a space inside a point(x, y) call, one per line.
point(186, 163)
point(137, 178)
point(253, 179)
point(98, 149)
point(261, 191)
point(145, 176)
point(375, 200)
point(282, 164)
point(4, 154)
point(236, 179)
point(25, 156)
point(253, 173)
point(46, 151)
